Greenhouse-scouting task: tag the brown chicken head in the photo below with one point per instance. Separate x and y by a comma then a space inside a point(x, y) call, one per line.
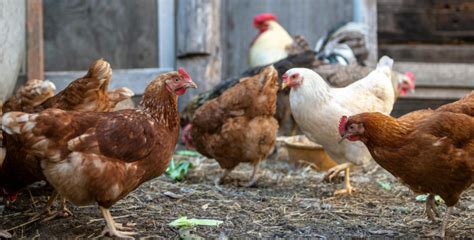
point(350, 129)
point(179, 83)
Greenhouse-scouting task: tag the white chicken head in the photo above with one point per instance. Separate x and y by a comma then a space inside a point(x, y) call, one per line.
point(294, 77)
point(179, 82)
point(261, 21)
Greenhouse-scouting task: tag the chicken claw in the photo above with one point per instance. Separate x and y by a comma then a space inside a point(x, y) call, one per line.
point(431, 210)
point(111, 227)
point(220, 180)
point(348, 189)
point(441, 232)
point(253, 179)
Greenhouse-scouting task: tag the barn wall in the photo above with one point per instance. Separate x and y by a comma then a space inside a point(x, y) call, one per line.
point(123, 32)
point(310, 18)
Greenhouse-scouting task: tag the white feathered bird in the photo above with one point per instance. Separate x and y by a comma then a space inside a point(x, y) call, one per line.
point(317, 109)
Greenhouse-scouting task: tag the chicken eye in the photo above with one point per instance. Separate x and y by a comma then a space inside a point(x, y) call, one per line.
point(176, 79)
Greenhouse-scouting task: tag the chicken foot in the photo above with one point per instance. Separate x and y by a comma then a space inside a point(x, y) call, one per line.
point(64, 212)
point(254, 177)
point(111, 227)
point(441, 231)
point(431, 210)
point(333, 172)
point(220, 180)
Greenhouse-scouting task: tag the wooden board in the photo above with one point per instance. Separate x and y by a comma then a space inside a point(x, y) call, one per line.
point(34, 29)
point(434, 53)
point(77, 32)
point(310, 18)
point(436, 21)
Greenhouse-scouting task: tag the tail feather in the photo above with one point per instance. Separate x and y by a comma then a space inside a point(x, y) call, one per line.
point(385, 61)
point(100, 70)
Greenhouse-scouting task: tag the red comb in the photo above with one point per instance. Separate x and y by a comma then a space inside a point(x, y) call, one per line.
point(184, 74)
point(262, 17)
point(342, 125)
point(410, 75)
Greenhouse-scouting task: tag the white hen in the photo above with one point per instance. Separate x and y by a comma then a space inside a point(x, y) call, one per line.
point(317, 109)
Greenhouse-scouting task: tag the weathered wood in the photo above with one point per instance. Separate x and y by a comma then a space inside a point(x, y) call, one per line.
point(448, 75)
point(436, 21)
point(429, 52)
point(166, 36)
point(310, 18)
point(198, 42)
point(12, 44)
point(122, 31)
point(368, 16)
point(35, 51)
point(405, 105)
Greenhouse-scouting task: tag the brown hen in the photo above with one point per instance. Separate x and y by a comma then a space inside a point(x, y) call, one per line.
point(31, 94)
point(88, 158)
point(431, 151)
point(238, 126)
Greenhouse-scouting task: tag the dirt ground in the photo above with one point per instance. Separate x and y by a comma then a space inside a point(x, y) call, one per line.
point(287, 203)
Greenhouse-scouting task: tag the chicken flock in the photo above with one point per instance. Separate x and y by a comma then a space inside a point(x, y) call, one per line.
point(79, 143)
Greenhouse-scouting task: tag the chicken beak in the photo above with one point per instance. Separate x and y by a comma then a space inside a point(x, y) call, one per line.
point(190, 85)
point(284, 85)
point(346, 135)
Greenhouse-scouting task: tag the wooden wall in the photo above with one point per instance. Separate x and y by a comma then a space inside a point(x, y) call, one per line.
point(310, 18)
point(123, 32)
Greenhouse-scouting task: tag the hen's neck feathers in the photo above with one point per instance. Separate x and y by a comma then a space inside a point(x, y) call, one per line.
point(315, 88)
point(384, 131)
point(160, 104)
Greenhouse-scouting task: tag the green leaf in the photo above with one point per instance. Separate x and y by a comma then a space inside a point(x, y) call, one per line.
point(188, 153)
point(184, 222)
point(384, 185)
point(422, 198)
point(178, 171)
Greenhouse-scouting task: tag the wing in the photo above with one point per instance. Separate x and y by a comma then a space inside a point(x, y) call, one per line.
point(124, 135)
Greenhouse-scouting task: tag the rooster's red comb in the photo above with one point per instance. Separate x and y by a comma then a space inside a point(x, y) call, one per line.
point(262, 17)
point(342, 125)
point(184, 74)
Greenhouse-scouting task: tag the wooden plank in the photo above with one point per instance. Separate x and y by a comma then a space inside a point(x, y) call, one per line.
point(405, 105)
point(436, 21)
point(441, 75)
point(198, 43)
point(310, 18)
point(135, 79)
point(122, 31)
point(429, 52)
point(368, 16)
point(35, 51)
point(166, 36)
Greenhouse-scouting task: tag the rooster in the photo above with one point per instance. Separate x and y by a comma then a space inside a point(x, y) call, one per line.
point(431, 151)
point(271, 43)
point(87, 156)
point(238, 126)
point(316, 106)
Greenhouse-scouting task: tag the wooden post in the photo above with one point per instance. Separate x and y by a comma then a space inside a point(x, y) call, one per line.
point(35, 51)
point(365, 11)
point(198, 43)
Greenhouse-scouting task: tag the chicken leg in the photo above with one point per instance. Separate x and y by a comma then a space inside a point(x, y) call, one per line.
point(111, 227)
point(431, 207)
point(333, 172)
point(254, 177)
point(220, 180)
point(441, 232)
